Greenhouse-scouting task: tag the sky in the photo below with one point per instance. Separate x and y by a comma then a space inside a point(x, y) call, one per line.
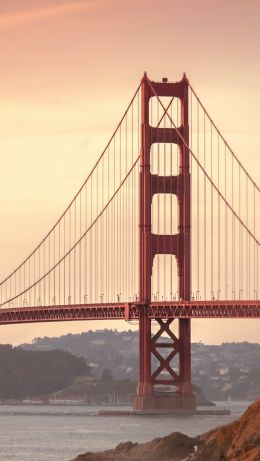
point(69, 68)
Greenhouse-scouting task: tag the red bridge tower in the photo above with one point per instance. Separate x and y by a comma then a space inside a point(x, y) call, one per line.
point(151, 245)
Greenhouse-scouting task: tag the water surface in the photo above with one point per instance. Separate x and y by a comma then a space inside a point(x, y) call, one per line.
point(60, 433)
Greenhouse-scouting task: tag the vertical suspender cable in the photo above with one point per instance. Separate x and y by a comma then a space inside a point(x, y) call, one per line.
point(107, 236)
point(205, 209)
point(114, 234)
point(198, 205)
point(39, 276)
point(91, 268)
point(247, 246)
point(125, 210)
point(49, 266)
point(239, 233)
point(75, 255)
point(218, 294)
point(233, 231)
point(102, 259)
point(34, 279)
point(211, 209)
point(158, 208)
point(54, 278)
point(85, 246)
point(255, 247)
point(69, 297)
point(44, 271)
point(132, 207)
point(96, 236)
point(80, 246)
point(226, 228)
point(119, 221)
point(64, 262)
point(59, 268)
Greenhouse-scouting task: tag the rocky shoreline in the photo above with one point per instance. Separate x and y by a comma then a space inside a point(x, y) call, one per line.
point(173, 447)
point(239, 440)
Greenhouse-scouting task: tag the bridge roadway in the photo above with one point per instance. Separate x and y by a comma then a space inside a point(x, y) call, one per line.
point(131, 311)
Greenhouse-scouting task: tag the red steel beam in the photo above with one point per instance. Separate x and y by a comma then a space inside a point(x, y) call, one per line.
point(130, 311)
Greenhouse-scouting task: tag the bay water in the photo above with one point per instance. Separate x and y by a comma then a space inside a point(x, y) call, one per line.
point(60, 433)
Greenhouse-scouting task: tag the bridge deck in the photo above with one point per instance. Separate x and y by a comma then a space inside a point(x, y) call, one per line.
point(131, 311)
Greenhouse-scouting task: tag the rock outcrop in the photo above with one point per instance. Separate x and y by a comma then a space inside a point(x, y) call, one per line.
point(237, 441)
point(174, 447)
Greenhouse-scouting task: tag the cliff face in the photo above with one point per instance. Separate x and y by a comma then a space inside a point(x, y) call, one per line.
point(238, 441)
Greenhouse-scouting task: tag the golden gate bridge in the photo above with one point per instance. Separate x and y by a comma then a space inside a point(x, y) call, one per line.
point(164, 229)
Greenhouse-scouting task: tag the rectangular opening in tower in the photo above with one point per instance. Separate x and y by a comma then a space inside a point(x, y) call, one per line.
point(165, 278)
point(164, 110)
point(164, 214)
point(164, 159)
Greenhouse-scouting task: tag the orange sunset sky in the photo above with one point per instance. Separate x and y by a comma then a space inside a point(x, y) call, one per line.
point(67, 71)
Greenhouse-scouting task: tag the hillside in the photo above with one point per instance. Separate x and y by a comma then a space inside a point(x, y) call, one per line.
point(102, 349)
point(238, 441)
point(31, 373)
point(230, 369)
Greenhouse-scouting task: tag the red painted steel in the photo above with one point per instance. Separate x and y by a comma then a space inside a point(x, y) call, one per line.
point(145, 385)
point(158, 344)
point(184, 250)
point(151, 245)
point(131, 311)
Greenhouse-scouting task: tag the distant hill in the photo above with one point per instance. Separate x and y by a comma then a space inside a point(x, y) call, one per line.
point(228, 370)
point(102, 349)
point(37, 373)
point(30, 374)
